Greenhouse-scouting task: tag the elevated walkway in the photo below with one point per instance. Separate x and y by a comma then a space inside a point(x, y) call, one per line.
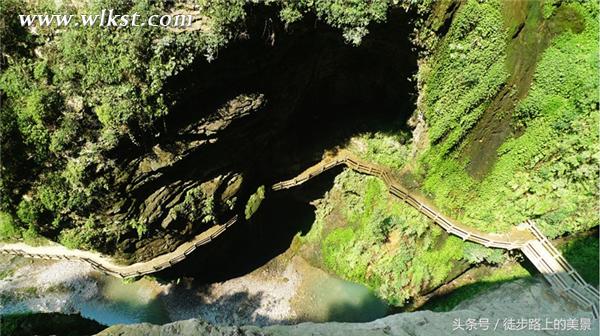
point(526, 237)
point(107, 265)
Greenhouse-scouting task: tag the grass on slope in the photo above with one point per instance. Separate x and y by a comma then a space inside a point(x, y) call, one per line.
point(493, 278)
point(547, 170)
point(582, 253)
point(364, 235)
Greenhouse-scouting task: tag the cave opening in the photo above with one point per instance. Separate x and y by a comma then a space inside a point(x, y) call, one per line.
point(319, 92)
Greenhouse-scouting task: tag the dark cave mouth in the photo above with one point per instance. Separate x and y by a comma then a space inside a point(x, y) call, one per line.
point(320, 92)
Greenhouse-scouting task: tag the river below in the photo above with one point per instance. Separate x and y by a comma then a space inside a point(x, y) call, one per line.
point(281, 292)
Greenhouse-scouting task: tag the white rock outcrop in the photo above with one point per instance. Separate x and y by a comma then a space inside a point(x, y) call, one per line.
point(530, 306)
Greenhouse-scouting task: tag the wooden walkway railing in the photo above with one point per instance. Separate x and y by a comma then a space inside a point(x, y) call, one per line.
point(105, 265)
point(563, 278)
point(526, 237)
point(504, 241)
point(558, 272)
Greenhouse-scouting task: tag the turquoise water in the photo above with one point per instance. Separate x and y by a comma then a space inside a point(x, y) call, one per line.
point(326, 298)
point(320, 297)
point(125, 303)
point(345, 301)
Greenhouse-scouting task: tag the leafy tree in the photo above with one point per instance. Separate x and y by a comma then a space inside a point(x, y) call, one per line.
point(16, 40)
point(254, 202)
point(352, 16)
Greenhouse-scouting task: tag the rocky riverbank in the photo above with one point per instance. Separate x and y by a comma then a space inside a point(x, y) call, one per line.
point(286, 290)
point(497, 312)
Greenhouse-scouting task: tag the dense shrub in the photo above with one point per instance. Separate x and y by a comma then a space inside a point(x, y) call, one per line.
point(380, 241)
point(546, 171)
point(71, 97)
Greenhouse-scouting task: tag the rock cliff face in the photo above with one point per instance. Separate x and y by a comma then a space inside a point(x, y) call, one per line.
point(256, 115)
point(177, 188)
point(515, 300)
point(174, 139)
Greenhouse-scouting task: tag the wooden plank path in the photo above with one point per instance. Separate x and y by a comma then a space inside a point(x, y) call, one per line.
point(558, 272)
point(509, 241)
point(107, 265)
point(526, 237)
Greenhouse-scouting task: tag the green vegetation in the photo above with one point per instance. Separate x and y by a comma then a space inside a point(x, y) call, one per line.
point(484, 282)
point(198, 205)
point(8, 230)
point(582, 254)
point(30, 292)
point(6, 273)
point(48, 324)
point(366, 236)
point(254, 201)
point(390, 150)
point(467, 71)
point(510, 102)
point(483, 76)
point(78, 103)
point(547, 169)
point(352, 17)
point(476, 253)
point(67, 110)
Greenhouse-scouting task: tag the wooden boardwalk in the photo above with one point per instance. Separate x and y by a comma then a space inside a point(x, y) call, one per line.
point(525, 237)
point(558, 272)
point(509, 241)
point(107, 265)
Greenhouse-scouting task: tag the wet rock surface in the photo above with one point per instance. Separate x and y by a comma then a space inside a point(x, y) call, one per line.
point(508, 302)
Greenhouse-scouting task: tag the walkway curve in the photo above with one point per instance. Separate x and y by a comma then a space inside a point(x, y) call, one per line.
point(107, 264)
point(527, 237)
point(510, 241)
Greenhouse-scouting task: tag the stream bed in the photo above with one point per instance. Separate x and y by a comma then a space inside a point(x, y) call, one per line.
point(279, 293)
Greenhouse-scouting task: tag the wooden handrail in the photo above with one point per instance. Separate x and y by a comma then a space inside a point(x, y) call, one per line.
point(545, 257)
point(549, 261)
point(105, 265)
